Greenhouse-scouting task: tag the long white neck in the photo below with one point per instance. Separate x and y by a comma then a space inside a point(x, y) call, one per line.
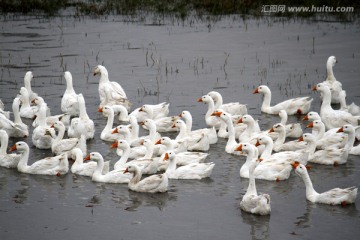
point(350, 141)
point(104, 77)
point(268, 150)
point(188, 121)
point(124, 157)
point(78, 157)
point(281, 138)
point(266, 100)
point(25, 101)
point(82, 109)
point(69, 85)
point(134, 128)
point(41, 115)
point(342, 100)
point(182, 132)
point(244, 170)
point(218, 100)
point(4, 144)
point(310, 191)
point(172, 165)
point(136, 177)
point(27, 84)
point(283, 118)
point(110, 121)
point(152, 132)
point(330, 73)
point(326, 102)
point(211, 108)
point(251, 190)
point(319, 131)
point(230, 126)
point(23, 163)
point(99, 166)
point(15, 108)
point(61, 133)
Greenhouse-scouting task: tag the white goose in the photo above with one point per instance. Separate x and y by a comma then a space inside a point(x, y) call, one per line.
point(69, 103)
point(115, 176)
point(121, 112)
point(27, 84)
point(27, 111)
point(163, 124)
point(333, 197)
point(210, 132)
point(326, 139)
point(210, 120)
point(82, 125)
point(87, 168)
point(352, 108)
point(251, 131)
point(152, 184)
point(300, 105)
point(43, 136)
point(331, 82)
point(271, 171)
point(57, 165)
point(280, 144)
point(111, 90)
point(16, 128)
point(61, 145)
point(108, 133)
point(251, 201)
point(65, 118)
point(231, 142)
point(234, 108)
point(333, 118)
point(127, 152)
point(159, 110)
point(293, 130)
point(7, 160)
point(190, 171)
point(331, 156)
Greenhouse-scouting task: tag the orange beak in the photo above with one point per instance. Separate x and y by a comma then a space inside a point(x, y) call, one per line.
point(257, 143)
point(301, 139)
point(340, 130)
point(114, 145)
point(100, 109)
point(158, 142)
point(314, 88)
point(305, 118)
point(308, 167)
point(87, 158)
point(256, 91)
point(166, 157)
point(126, 170)
point(239, 148)
point(199, 100)
point(13, 148)
point(271, 130)
point(217, 113)
point(52, 126)
point(295, 164)
point(310, 125)
point(142, 123)
point(173, 126)
point(115, 131)
point(240, 120)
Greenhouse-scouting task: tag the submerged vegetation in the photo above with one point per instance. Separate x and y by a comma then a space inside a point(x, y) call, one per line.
point(179, 8)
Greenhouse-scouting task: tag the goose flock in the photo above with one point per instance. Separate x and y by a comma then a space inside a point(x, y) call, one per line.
point(269, 156)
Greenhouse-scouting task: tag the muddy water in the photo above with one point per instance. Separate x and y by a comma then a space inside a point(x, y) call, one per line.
point(175, 62)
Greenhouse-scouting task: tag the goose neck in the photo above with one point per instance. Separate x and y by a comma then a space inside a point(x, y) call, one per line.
point(330, 73)
point(24, 158)
point(136, 177)
point(350, 141)
point(268, 150)
point(266, 100)
point(310, 191)
point(15, 108)
point(4, 140)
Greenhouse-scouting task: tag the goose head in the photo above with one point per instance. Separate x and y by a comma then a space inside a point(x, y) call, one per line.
point(121, 144)
point(95, 156)
point(320, 87)
point(147, 143)
point(67, 76)
point(147, 109)
point(300, 169)
point(278, 128)
point(106, 110)
point(169, 155)
point(307, 137)
point(331, 61)
point(58, 125)
point(262, 89)
point(263, 140)
point(20, 147)
point(149, 123)
point(215, 96)
point(101, 70)
point(246, 148)
point(121, 129)
point(185, 115)
point(164, 140)
point(205, 99)
point(312, 116)
point(132, 169)
point(178, 124)
point(28, 76)
point(38, 101)
point(247, 119)
point(348, 128)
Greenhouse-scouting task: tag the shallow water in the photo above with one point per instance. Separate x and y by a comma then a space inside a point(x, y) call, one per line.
point(175, 62)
